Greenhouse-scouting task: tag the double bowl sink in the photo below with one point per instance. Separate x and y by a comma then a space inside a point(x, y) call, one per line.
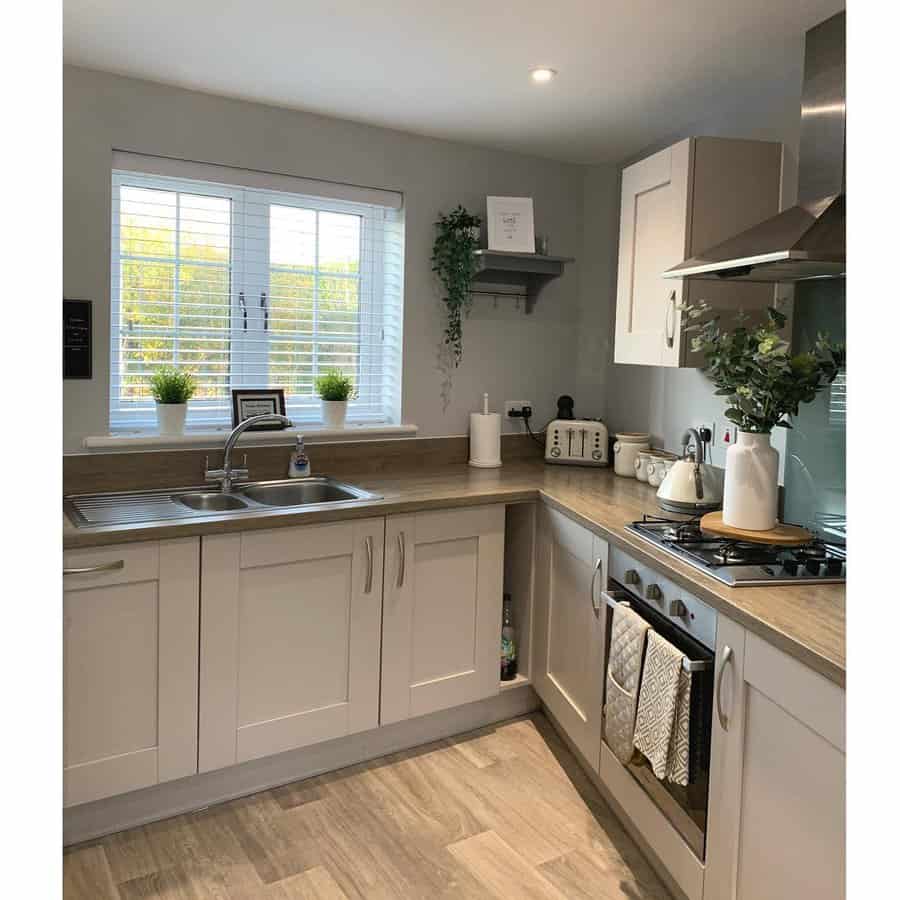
point(132, 507)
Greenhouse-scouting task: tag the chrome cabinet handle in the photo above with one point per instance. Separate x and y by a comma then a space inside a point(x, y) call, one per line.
point(369, 557)
point(727, 657)
point(401, 568)
point(598, 568)
point(101, 567)
point(243, 304)
point(670, 338)
point(265, 309)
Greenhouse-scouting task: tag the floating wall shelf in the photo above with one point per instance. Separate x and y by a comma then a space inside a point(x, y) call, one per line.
point(527, 271)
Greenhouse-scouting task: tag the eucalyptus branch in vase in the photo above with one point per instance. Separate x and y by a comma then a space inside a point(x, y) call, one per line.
point(751, 366)
point(763, 384)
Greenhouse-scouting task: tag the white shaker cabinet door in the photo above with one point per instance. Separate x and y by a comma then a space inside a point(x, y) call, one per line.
point(443, 600)
point(290, 638)
point(571, 569)
point(131, 621)
point(653, 233)
point(776, 800)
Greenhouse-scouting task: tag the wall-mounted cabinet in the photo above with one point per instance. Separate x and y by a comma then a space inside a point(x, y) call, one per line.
point(675, 204)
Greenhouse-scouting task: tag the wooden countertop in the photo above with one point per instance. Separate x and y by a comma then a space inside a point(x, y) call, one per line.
point(806, 621)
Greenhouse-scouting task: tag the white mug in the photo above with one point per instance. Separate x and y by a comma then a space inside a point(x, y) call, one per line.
point(656, 472)
point(641, 464)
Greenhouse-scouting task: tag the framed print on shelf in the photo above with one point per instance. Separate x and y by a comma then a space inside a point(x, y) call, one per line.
point(510, 224)
point(246, 402)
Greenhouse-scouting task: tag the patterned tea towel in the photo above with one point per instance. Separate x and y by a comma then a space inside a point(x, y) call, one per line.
point(662, 727)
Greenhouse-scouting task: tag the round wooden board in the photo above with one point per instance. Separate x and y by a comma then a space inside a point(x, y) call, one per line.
point(783, 535)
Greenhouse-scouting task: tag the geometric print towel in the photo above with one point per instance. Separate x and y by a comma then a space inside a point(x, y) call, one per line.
point(662, 727)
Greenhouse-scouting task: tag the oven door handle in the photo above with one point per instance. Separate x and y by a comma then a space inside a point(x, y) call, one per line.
point(614, 598)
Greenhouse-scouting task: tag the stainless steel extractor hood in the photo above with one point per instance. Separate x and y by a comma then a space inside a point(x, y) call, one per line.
point(808, 240)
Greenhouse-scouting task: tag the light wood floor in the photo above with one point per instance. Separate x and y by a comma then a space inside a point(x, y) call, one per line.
point(503, 812)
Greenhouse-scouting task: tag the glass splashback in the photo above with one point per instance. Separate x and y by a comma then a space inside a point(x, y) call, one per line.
point(815, 464)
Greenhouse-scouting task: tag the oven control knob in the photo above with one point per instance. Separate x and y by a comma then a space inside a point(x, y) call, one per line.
point(555, 451)
point(597, 455)
point(653, 592)
point(632, 577)
point(676, 609)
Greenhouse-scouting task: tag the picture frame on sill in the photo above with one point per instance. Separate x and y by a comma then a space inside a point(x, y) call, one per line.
point(247, 402)
point(510, 224)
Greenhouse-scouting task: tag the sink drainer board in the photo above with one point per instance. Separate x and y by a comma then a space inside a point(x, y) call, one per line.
point(133, 507)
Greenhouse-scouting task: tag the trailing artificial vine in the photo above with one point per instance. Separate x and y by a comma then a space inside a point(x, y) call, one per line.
point(453, 259)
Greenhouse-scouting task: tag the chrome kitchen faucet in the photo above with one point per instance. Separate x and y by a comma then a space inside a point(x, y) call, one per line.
point(227, 475)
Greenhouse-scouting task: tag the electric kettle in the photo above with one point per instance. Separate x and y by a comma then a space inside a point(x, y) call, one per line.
point(691, 485)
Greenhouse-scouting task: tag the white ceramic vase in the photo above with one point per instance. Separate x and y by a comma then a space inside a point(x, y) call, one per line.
point(751, 483)
point(170, 417)
point(334, 413)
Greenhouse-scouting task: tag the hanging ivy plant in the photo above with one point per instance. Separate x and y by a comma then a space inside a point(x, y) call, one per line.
point(453, 259)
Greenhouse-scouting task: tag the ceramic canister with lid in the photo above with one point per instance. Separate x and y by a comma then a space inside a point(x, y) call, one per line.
point(626, 448)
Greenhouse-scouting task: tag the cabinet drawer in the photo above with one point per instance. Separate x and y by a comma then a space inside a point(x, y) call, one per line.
point(119, 564)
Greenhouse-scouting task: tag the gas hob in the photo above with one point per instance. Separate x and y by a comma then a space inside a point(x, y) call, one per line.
point(742, 563)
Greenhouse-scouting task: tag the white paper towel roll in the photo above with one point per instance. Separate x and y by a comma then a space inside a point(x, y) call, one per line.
point(484, 440)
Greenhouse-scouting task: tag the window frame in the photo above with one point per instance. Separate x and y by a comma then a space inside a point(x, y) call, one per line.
point(376, 405)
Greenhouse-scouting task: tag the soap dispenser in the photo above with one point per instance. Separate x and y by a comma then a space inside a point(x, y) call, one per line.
point(298, 467)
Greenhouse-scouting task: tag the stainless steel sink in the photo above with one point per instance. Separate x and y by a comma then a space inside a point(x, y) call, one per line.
point(207, 501)
point(251, 498)
point(301, 492)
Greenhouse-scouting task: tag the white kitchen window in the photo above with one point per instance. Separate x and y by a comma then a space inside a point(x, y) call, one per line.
point(252, 288)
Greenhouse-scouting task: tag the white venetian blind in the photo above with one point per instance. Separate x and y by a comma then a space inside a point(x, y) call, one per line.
point(252, 288)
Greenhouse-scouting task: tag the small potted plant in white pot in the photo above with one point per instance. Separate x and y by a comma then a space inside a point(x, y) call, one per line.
point(172, 388)
point(335, 389)
point(764, 385)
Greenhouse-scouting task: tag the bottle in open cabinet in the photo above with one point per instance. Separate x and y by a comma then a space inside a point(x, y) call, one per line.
point(509, 663)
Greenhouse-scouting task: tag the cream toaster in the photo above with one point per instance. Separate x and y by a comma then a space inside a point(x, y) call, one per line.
point(577, 442)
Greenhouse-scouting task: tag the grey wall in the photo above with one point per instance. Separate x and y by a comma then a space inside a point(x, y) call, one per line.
point(506, 353)
point(666, 401)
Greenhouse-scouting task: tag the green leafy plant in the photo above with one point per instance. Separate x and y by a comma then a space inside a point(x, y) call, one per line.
point(334, 385)
point(453, 260)
point(752, 367)
point(171, 385)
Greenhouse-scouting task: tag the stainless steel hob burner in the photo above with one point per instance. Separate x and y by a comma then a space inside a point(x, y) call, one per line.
point(743, 563)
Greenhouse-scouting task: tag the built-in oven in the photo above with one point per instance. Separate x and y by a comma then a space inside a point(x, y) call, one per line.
point(689, 625)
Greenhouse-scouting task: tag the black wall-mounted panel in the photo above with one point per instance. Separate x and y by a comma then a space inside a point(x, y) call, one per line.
point(77, 339)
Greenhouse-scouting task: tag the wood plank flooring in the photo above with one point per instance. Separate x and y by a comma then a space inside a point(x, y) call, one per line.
point(501, 812)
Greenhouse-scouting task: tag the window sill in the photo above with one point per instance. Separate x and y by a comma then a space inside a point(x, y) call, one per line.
point(214, 439)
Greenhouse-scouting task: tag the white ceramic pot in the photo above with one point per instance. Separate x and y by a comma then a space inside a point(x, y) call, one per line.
point(334, 413)
point(626, 449)
point(751, 483)
point(170, 417)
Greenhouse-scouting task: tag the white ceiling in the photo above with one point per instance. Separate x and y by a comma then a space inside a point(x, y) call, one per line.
point(630, 71)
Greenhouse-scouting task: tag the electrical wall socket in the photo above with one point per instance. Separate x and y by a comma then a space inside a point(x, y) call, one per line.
point(728, 432)
point(714, 431)
point(516, 405)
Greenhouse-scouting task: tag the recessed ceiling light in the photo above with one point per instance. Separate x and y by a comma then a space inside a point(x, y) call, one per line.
point(542, 74)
